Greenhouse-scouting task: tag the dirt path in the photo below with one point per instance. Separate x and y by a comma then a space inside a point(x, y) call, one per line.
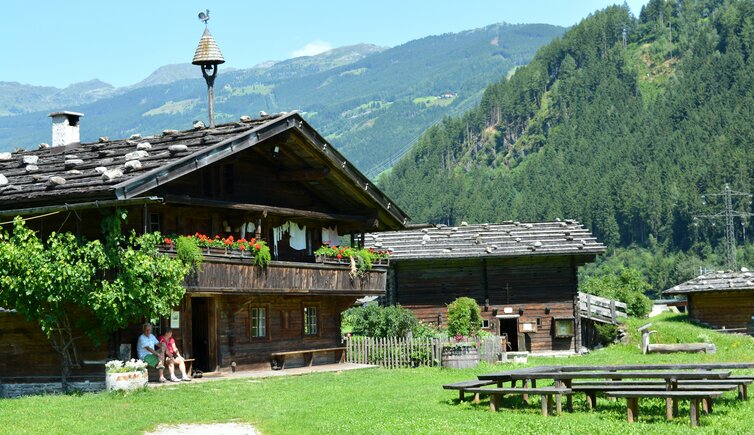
point(205, 428)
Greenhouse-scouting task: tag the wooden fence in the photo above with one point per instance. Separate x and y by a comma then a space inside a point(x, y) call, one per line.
point(601, 309)
point(397, 352)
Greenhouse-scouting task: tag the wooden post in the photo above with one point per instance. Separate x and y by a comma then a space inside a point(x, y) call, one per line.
point(477, 398)
point(632, 406)
point(569, 397)
point(707, 405)
point(591, 399)
point(493, 402)
point(613, 316)
point(694, 412)
point(460, 395)
point(525, 386)
point(549, 403)
point(544, 405)
point(669, 401)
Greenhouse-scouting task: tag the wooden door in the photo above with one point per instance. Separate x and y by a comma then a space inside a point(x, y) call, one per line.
point(202, 334)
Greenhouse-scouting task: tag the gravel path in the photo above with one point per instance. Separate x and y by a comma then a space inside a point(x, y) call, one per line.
point(205, 429)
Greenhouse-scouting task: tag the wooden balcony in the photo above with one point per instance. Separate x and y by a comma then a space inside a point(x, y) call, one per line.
point(228, 275)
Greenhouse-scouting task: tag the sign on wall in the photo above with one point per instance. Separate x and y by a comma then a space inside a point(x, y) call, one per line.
point(175, 319)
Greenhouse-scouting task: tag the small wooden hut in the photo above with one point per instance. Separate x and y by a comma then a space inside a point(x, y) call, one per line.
point(722, 300)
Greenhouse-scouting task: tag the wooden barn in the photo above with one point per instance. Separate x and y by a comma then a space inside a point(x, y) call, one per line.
point(721, 300)
point(273, 178)
point(523, 275)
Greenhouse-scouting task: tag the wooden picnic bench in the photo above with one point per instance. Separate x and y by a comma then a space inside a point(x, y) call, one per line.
point(741, 382)
point(545, 393)
point(632, 401)
point(308, 355)
point(563, 379)
point(591, 390)
point(463, 386)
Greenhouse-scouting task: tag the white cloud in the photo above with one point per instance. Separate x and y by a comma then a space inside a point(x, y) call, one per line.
point(312, 48)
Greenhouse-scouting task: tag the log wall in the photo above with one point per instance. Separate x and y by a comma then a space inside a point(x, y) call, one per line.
point(537, 289)
point(723, 309)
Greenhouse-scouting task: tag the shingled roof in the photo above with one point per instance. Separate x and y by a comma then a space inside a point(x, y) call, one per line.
point(715, 282)
point(127, 169)
point(508, 239)
point(80, 169)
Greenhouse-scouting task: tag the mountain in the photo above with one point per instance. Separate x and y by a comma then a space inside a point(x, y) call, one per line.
point(17, 98)
point(369, 101)
point(625, 137)
point(168, 74)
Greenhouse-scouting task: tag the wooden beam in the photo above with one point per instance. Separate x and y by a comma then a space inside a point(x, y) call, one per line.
point(264, 209)
point(80, 206)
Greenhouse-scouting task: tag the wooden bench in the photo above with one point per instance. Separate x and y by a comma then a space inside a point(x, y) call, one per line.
point(463, 386)
point(592, 390)
point(632, 401)
point(546, 394)
point(744, 380)
point(741, 382)
point(308, 355)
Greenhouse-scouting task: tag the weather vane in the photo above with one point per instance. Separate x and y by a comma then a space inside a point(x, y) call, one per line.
point(204, 16)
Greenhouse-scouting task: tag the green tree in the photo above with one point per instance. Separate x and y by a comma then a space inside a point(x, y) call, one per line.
point(626, 285)
point(464, 317)
point(65, 284)
point(373, 320)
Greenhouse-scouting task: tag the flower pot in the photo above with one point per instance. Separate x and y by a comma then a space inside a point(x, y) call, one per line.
point(460, 357)
point(126, 381)
point(217, 251)
point(162, 247)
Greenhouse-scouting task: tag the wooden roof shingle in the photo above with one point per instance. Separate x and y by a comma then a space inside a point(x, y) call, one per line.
point(508, 239)
point(716, 282)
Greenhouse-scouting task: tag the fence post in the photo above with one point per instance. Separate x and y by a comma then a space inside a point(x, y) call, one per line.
point(612, 310)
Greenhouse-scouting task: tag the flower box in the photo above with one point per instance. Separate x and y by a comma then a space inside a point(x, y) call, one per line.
point(346, 261)
point(127, 381)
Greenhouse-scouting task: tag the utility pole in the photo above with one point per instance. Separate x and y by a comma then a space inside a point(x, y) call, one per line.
point(728, 214)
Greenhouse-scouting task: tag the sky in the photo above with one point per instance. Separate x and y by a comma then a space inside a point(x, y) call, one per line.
point(56, 43)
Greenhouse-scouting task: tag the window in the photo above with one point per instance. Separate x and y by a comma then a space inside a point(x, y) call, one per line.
point(563, 327)
point(258, 322)
point(486, 324)
point(310, 320)
point(154, 222)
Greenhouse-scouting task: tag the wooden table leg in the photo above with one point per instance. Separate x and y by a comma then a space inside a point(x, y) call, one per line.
point(559, 403)
point(549, 403)
point(669, 401)
point(460, 395)
point(477, 399)
point(493, 402)
point(569, 397)
point(744, 395)
point(544, 405)
point(499, 384)
point(525, 386)
point(632, 409)
point(591, 399)
point(534, 383)
point(707, 405)
point(694, 412)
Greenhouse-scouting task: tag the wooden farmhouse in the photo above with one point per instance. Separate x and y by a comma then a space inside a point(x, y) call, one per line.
point(722, 300)
point(273, 178)
point(523, 275)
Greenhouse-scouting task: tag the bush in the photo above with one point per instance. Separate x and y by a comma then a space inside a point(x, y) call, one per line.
point(626, 285)
point(464, 317)
point(189, 252)
point(375, 321)
point(606, 333)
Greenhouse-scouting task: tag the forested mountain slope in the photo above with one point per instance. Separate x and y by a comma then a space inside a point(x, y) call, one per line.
point(623, 137)
point(369, 101)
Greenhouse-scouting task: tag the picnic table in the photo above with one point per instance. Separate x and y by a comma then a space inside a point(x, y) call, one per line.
point(565, 379)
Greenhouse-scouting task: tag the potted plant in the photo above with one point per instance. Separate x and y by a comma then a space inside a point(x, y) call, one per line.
point(120, 376)
point(464, 320)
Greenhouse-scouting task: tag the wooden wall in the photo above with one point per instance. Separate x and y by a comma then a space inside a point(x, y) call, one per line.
point(27, 356)
point(729, 309)
point(538, 289)
point(285, 327)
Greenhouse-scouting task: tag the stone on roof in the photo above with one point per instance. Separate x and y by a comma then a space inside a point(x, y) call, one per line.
point(716, 282)
point(487, 240)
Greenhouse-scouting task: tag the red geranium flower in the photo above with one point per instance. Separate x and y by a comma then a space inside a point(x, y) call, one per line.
point(242, 247)
point(340, 256)
point(168, 241)
point(258, 246)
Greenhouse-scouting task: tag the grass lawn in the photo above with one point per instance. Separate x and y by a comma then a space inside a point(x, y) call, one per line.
point(384, 401)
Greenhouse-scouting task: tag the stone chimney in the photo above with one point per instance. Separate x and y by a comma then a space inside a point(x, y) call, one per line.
point(65, 128)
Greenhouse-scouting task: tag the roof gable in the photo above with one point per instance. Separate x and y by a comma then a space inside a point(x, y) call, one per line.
point(715, 282)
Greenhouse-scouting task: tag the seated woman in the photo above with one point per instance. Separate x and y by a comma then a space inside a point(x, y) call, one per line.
point(172, 357)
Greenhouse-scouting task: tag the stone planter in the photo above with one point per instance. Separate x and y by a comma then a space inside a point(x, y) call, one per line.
point(126, 381)
point(460, 357)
